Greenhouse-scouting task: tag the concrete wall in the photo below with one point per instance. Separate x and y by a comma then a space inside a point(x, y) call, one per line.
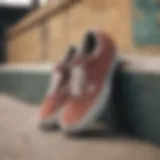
point(45, 34)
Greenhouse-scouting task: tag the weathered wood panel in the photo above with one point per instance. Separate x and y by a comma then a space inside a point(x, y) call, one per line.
point(58, 36)
point(25, 47)
point(43, 35)
point(113, 16)
point(46, 35)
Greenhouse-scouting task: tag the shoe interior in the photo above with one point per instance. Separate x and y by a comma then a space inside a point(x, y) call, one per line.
point(90, 43)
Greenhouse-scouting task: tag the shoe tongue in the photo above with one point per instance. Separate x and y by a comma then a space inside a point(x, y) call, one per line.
point(59, 70)
point(69, 55)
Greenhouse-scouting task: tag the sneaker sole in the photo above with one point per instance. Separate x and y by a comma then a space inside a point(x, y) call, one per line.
point(50, 122)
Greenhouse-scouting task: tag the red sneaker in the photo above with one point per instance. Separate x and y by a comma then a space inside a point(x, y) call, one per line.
point(91, 81)
point(58, 91)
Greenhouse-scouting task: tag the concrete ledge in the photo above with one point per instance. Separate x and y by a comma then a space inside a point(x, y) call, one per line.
point(24, 68)
point(131, 63)
point(135, 104)
point(141, 64)
point(28, 86)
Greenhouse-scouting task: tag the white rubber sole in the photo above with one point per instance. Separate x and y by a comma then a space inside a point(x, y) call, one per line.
point(49, 122)
point(99, 105)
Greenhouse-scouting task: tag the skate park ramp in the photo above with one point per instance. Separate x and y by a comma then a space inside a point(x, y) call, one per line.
point(21, 140)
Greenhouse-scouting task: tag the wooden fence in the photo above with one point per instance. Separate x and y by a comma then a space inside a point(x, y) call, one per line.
point(43, 35)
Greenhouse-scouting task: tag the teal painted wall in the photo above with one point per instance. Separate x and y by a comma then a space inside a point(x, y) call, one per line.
point(146, 22)
point(30, 87)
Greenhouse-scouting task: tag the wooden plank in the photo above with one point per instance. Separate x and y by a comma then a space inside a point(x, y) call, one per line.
point(58, 36)
point(26, 47)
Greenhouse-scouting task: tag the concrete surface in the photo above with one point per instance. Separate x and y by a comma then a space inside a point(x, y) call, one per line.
point(21, 140)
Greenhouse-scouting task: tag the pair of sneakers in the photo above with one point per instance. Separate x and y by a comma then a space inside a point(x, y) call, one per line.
point(81, 84)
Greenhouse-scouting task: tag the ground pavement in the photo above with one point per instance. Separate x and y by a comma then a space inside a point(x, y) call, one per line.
point(21, 140)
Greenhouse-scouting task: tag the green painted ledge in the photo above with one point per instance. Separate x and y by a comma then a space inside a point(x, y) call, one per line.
point(135, 102)
point(30, 87)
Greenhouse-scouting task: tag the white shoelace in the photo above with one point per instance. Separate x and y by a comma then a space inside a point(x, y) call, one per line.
point(78, 80)
point(54, 82)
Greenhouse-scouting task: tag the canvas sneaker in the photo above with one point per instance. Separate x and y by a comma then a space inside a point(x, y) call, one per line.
point(57, 93)
point(90, 83)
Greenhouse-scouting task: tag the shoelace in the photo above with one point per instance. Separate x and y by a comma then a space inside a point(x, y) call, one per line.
point(78, 80)
point(55, 82)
